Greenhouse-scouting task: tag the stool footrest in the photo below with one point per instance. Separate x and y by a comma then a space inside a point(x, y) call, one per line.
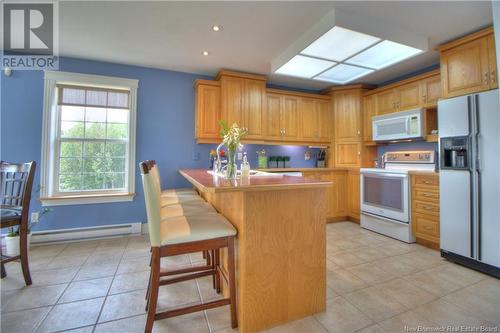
point(186, 270)
point(192, 308)
point(186, 277)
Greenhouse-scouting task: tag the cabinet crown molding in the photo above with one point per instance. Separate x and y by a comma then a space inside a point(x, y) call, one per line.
point(206, 82)
point(465, 39)
point(225, 72)
point(403, 82)
point(331, 90)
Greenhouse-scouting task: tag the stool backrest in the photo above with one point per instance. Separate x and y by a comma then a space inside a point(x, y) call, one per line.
point(16, 184)
point(152, 197)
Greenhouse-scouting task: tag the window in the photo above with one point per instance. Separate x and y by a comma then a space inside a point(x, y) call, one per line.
point(88, 139)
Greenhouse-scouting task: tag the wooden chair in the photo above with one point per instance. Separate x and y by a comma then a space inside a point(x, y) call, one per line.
point(16, 185)
point(170, 236)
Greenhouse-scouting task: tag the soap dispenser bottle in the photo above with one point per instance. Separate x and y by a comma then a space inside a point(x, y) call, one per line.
point(245, 167)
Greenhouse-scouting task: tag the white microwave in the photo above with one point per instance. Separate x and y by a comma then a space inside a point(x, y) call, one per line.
point(398, 126)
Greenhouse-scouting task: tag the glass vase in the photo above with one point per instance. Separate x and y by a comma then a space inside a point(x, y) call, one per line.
point(231, 165)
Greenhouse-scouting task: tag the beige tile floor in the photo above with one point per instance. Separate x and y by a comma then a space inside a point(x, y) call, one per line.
point(375, 284)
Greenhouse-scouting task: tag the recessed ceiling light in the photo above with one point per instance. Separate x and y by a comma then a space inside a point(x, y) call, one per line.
point(383, 54)
point(217, 28)
point(339, 44)
point(343, 74)
point(304, 66)
point(205, 53)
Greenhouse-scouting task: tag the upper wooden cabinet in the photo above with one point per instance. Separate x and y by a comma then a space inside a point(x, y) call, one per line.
point(431, 90)
point(347, 115)
point(207, 109)
point(315, 120)
point(421, 91)
point(369, 111)
point(281, 117)
point(409, 96)
point(242, 101)
point(468, 65)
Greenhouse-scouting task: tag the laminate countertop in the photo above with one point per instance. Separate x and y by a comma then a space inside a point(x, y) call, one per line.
point(209, 183)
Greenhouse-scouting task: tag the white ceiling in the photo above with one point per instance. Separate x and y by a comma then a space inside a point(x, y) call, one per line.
point(172, 35)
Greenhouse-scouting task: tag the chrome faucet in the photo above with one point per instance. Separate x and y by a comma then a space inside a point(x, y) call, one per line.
point(218, 162)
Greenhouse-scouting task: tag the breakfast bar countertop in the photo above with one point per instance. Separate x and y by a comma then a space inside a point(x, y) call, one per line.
point(209, 183)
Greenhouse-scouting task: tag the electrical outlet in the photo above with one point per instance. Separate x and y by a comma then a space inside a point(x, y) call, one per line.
point(307, 156)
point(34, 217)
point(239, 156)
point(196, 156)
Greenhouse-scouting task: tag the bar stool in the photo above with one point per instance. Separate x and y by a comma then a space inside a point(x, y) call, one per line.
point(171, 236)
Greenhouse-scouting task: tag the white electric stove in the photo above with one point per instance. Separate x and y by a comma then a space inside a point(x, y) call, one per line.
point(385, 193)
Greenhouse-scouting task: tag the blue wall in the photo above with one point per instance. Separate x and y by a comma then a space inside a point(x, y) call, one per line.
point(165, 132)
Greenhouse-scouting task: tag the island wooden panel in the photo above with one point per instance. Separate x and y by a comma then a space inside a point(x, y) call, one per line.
point(281, 251)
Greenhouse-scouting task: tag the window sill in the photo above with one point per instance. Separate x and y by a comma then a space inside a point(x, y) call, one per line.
point(86, 199)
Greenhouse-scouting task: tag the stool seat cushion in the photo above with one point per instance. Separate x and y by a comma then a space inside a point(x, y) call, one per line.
point(187, 209)
point(184, 229)
point(177, 191)
point(178, 199)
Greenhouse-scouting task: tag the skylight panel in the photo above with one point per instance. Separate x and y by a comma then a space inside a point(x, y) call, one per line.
point(343, 74)
point(383, 54)
point(304, 66)
point(339, 44)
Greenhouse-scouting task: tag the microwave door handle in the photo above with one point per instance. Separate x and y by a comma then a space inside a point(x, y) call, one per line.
point(407, 125)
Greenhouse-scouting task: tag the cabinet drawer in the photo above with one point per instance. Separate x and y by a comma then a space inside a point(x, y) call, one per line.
point(424, 194)
point(426, 207)
point(426, 180)
point(427, 225)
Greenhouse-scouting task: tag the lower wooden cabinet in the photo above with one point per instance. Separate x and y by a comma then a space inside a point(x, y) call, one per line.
point(425, 209)
point(353, 198)
point(348, 154)
point(337, 195)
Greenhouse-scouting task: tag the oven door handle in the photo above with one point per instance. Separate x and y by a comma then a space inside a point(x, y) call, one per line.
point(375, 174)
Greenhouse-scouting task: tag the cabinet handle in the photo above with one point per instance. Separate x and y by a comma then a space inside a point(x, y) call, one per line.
point(492, 76)
point(359, 132)
point(427, 195)
point(486, 77)
point(427, 182)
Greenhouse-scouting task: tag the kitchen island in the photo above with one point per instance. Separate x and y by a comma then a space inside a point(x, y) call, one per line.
point(281, 247)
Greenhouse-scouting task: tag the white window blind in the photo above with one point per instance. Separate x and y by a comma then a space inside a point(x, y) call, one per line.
point(93, 139)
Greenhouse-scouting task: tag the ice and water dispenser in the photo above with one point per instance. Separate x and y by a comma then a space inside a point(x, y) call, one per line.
point(455, 153)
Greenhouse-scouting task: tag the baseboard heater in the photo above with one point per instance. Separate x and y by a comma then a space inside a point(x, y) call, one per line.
point(72, 234)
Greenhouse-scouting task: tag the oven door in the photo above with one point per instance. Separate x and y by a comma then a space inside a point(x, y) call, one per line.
point(386, 195)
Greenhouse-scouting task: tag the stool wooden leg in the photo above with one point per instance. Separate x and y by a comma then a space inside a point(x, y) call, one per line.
point(4, 273)
point(153, 289)
point(217, 272)
point(232, 281)
point(23, 238)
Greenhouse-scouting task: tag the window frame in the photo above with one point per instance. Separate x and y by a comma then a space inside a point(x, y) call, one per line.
point(51, 140)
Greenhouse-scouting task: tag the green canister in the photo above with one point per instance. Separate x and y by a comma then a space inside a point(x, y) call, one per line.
point(262, 159)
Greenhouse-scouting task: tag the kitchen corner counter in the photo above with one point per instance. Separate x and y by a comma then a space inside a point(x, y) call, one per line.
point(307, 169)
point(208, 183)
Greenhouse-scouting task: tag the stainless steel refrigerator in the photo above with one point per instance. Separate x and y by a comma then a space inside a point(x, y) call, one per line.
point(469, 175)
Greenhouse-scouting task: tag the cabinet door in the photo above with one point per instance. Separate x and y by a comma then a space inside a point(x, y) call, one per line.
point(465, 69)
point(273, 116)
point(408, 96)
point(232, 100)
point(254, 108)
point(339, 180)
point(347, 116)
point(309, 119)
point(324, 120)
point(207, 111)
point(347, 154)
point(289, 118)
point(353, 193)
point(492, 62)
point(368, 113)
point(385, 102)
point(431, 91)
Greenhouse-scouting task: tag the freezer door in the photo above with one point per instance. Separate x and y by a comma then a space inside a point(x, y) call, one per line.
point(453, 117)
point(488, 166)
point(455, 205)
